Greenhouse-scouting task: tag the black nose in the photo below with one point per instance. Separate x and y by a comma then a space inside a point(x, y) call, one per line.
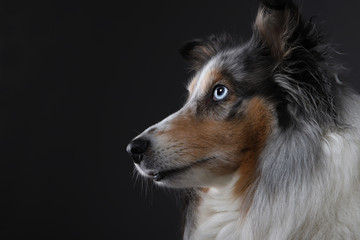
point(137, 148)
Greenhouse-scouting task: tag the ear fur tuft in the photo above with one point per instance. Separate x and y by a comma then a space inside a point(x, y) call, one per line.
point(275, 4)
point(199, 51)
point(188, 47)
point(276, 23)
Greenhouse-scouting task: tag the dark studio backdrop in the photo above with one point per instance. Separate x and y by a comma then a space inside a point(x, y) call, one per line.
point(79, 80)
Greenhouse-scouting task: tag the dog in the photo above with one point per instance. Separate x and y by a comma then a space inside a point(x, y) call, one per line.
point(267, 143)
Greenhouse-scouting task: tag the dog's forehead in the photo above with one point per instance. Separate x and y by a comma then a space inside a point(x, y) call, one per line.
point(204, 79)
point(219, 67)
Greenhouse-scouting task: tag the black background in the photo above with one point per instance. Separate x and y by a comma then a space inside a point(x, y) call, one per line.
point(80, 79)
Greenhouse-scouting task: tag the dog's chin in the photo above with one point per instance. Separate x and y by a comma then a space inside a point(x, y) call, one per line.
point(178, 177)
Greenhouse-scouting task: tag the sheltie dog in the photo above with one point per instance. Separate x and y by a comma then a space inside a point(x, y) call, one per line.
point(268, 140)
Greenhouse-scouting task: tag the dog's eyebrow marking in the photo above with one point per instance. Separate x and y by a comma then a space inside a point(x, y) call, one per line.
point(205, 79)
point(191, 85)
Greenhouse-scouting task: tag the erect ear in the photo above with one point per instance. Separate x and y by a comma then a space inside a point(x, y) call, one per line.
point(199, 51)
point(276, 24)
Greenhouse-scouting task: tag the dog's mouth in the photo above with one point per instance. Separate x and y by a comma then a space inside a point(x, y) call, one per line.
point(158, 176)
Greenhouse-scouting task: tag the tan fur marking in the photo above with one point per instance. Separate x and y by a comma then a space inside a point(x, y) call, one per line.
point(204, 190)
point(191, 86)
point(213, 75)
point(235, 145)
point(259, 123)
point(206, 81)
point(199, 137)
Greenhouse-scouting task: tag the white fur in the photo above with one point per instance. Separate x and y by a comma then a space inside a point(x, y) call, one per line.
point(218, 213)
point(202, 79)
point(326, 207)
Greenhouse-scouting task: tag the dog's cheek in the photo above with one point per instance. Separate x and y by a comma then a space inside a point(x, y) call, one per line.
point(194, 138)
point(258, 125)
point(242, 140)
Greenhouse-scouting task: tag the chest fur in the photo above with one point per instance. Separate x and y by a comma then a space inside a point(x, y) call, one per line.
point(217, 215)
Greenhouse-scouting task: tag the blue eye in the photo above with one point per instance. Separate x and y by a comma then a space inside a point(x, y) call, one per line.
point(220, 92)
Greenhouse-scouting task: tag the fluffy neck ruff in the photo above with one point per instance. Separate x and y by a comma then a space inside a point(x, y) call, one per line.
point(302, 195)
point(217, 212)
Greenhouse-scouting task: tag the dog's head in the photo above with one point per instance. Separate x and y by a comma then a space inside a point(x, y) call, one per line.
point(240, 94)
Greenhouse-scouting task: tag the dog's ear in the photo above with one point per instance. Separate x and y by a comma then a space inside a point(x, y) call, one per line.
point(198, 51)
point(275, 4)
point(276, 25)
